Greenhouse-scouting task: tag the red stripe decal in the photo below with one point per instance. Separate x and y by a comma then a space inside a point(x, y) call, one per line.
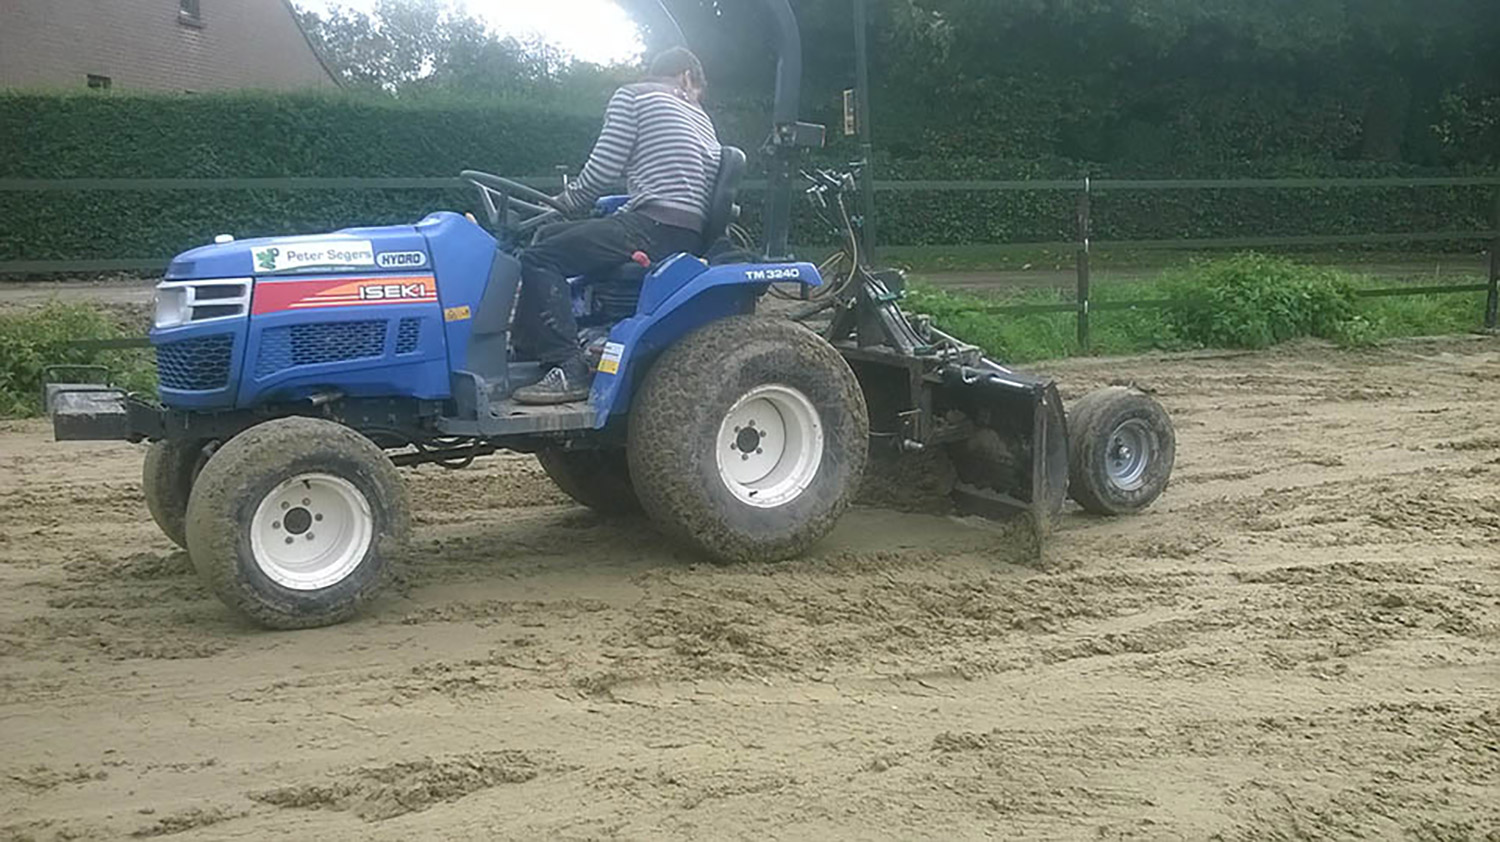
point(275, 296)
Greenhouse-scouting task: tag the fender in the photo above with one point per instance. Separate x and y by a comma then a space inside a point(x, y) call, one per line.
point(682, 295)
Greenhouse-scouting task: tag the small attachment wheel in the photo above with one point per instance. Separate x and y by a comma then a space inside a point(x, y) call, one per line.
point(1128, 454)
point(296, 522)
point(1123, 449)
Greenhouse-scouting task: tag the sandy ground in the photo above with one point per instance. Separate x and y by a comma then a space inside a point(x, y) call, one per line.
point(1301, 640)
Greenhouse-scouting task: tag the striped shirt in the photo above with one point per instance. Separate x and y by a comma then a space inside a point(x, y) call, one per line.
point(661, 147)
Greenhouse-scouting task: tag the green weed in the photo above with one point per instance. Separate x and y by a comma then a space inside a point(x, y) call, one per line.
point(32, 340)
point(1253, 301)
point(1245, 301)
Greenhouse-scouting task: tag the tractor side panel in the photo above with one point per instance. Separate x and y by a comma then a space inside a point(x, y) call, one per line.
point(680, 297)
point(363, 336)
point(462, 257)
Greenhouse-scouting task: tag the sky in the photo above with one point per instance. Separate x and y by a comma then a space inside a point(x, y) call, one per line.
point(592, 30)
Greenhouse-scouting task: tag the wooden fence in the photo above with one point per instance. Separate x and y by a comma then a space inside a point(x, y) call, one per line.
point(1082, 246)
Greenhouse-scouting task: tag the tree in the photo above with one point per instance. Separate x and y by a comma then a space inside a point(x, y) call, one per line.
point(1150, 85)
point(411, 46)
point(1153, 83)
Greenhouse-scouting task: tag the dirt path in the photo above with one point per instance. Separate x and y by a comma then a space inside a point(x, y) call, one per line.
point(1302, 640)
point(25, 294)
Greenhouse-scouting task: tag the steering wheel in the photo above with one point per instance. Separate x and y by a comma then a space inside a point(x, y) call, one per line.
point(511, 204)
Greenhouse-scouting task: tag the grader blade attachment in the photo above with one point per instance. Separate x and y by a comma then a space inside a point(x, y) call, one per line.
point(1010, 451)
point(1004, 431)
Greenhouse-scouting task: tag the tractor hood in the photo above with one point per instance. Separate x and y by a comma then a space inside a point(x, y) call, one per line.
point(390, 248)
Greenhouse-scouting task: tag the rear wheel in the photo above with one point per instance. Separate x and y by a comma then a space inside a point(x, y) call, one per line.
point(599, 479)
point(1123, 449)
point(295, 522)
point(167, 480)
point(748, 438)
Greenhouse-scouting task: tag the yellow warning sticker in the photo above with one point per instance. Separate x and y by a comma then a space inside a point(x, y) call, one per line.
point(609, 361)
point(456, 314)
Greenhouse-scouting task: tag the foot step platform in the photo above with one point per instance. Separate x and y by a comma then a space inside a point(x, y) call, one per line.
point(508, 417)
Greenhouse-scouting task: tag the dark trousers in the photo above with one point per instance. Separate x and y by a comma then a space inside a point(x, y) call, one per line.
point(544, 313)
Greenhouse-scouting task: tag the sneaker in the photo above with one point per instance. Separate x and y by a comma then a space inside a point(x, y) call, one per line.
point(563, 384)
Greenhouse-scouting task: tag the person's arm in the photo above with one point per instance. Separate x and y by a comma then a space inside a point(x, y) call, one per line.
point(606, 165)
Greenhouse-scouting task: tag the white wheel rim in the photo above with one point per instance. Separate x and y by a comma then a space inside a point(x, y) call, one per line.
point(770, 446)
point(311, 531)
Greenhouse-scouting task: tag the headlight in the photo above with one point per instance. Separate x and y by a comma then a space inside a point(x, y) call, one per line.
point(171, 306)
point(183, 302)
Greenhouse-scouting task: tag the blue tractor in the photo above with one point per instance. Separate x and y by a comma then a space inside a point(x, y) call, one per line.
point(298, 373)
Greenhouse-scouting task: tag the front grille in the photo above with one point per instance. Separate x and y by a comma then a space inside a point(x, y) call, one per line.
point(322, 342)
point(408, 334)
point(197, 364)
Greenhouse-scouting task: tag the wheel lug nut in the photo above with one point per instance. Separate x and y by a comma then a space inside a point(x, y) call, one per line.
point(758, 451)
point(285, 505)
point(306, 502)
point(275, 524)
point(309, 536)
point(317, 517)
point(744, 457)
point(289, 539)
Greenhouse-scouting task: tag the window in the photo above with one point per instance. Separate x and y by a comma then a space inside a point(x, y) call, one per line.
point(99, 83)
point(189, 13)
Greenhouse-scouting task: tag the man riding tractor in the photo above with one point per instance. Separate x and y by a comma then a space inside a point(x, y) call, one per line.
point(659, 142)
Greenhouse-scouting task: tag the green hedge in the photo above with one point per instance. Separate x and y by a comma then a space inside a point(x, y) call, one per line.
point(265, 135)
point(949, 218)
point(45, 135)
point(249, 136)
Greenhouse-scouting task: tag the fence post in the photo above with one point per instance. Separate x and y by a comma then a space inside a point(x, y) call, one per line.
point(863, 124)
point(1083, 267)
point(1492, 303)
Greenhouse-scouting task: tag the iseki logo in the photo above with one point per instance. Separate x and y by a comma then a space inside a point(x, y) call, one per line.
point(392, 292)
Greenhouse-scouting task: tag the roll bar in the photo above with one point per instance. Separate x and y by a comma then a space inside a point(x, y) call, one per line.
point(788, 134)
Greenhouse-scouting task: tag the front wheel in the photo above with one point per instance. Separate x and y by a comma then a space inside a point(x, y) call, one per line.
point(748, 439)
point(295, 522)
point(1122, 447)
point(167, 477)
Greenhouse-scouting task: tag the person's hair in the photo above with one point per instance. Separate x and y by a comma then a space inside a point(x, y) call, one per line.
point(677, 61)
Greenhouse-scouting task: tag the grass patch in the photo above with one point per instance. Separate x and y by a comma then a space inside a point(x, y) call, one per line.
point(1424, 315)
point(31, 340)
point(1245, 301)
point(1023, 338)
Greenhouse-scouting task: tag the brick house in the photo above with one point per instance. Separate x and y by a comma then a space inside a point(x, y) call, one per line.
point(161, 45)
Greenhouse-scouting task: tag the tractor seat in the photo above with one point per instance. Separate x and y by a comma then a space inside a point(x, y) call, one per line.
point(722, 210)
point(616, 293)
